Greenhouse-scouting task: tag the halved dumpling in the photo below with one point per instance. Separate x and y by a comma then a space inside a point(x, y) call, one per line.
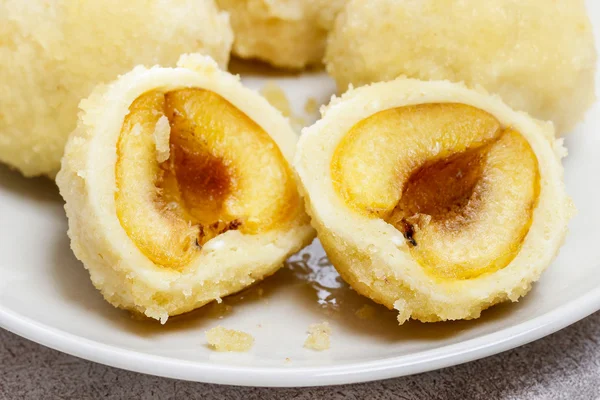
point(179, 189)
point(434, 199)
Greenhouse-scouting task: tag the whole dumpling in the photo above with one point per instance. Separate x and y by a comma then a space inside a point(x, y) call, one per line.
point(284, 33)
point(53, 53)
point(538, 55)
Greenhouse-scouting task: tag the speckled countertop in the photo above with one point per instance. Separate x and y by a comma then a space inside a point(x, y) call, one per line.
point(565, 365)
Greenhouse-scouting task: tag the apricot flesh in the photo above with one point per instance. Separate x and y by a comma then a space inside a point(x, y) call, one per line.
point(223, 172)
point(457, 185)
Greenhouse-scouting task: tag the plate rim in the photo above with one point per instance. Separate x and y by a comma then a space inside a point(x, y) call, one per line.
point(290, 376)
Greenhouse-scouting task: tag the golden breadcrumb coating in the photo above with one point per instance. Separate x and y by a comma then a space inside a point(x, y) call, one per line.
point(164, 238)
point(223, 339)
point(284, 33)
point(53, 53)
point(538, 55)
point(382, 259)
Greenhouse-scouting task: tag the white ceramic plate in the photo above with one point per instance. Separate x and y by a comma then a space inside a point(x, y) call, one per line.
point(46, 296)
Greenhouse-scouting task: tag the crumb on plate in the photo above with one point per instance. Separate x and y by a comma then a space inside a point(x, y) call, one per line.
point(222, 339)
point(318, 336)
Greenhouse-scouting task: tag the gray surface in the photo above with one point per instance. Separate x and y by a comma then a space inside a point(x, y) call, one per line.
point(565, 365)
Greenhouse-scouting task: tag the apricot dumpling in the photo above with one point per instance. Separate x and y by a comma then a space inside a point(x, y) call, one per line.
point(179, 189)
point(53, 54)
point(433, 199)
point(538, 55)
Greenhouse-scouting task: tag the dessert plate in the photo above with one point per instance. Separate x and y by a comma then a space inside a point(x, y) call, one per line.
point(46, 295)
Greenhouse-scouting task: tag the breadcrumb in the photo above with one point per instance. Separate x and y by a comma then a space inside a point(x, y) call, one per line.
point(318, 336)
point(222, 339)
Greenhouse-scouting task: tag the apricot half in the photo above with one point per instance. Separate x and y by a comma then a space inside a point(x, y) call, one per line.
point(459, 187)
point(223, 172)
point(179, 189)
point(434, 199)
